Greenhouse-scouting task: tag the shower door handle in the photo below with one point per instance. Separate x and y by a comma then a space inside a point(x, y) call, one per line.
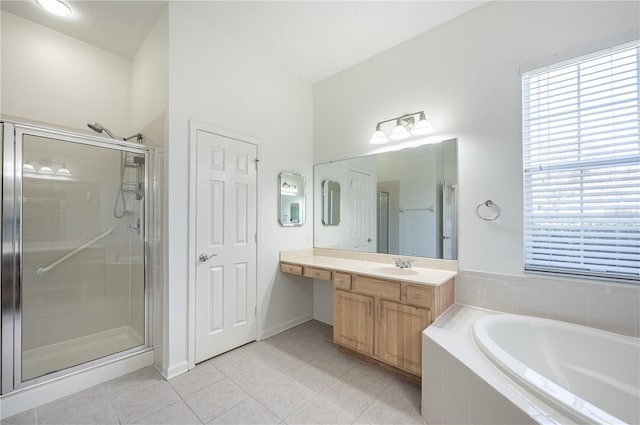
point(205, 257)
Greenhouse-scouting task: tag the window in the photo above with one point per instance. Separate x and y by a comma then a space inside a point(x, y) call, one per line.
point(582, 166)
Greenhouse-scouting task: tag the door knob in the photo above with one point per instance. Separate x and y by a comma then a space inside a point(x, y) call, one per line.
point(205, 257)
point(369, 240)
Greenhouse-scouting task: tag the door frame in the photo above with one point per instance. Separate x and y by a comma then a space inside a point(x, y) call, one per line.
point(192, 257)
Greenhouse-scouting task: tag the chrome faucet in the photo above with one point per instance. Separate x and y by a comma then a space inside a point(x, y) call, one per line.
point(403, 264)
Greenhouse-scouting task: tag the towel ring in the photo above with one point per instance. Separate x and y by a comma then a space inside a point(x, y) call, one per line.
point(489, 204)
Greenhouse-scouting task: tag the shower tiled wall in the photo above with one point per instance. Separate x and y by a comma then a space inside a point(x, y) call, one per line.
point(609, 306)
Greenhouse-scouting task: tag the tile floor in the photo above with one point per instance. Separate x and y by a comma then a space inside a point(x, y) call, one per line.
point(296, 377)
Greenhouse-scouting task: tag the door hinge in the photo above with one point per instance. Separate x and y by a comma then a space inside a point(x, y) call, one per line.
point(255, 311)
point(255, 237)
point(256, 162)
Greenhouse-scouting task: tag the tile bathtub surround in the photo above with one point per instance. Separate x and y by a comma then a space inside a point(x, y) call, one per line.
point(296, 377)
point(613, 307)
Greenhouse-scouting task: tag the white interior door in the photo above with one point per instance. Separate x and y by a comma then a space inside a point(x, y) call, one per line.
point(363, 210)
point(225, 243)
point(449, 224)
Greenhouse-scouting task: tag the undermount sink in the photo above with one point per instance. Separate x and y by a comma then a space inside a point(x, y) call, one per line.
point(395, 270)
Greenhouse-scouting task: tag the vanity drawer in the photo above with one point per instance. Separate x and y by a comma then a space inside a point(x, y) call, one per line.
point(342, 280)
point(377, 288)
point(291, 268)
point(316, 273)
point(419, 295)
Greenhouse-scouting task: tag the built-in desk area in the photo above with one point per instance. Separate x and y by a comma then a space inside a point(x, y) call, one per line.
point(380, 310)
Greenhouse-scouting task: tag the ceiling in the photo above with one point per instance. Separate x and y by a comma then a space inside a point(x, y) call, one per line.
point(117, 26)
point(310, 39)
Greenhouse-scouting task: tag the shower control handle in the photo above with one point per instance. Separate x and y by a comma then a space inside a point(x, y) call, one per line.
point(205, 257)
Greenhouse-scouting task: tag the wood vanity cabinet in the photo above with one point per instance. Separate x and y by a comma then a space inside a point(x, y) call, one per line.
point(382, 318)
point(353, 321)
point(399, 335)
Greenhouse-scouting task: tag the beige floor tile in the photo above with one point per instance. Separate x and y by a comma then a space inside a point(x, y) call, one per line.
point(352, 395)
point(248, 412)
point(321, 411)
point(392, 408)
point(318, 374)
point(235, 361)
point(215, 400)
point(133, 407)
point(134, 382)
point(285, 397)
point(257, 377)
point(90, 406)
point(373, 375)
point(24, 418)
point(177, 413)
point(406, 389)
point(199, 378)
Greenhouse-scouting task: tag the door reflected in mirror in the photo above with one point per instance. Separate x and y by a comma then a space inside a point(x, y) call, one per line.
point(292, 199)
point(330, 203)
point(400, 202)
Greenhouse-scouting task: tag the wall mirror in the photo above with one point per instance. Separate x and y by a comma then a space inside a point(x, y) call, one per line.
point(330, 203)
point(401, 202)
point(292, 199)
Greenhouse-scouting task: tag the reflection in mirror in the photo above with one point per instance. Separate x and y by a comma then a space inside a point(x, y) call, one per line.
point(401, 202)
point(292, 199)
point(330, 203)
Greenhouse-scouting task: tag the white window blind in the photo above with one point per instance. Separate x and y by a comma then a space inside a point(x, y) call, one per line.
point(582, 166)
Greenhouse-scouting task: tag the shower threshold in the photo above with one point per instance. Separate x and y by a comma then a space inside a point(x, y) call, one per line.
point(62, 355)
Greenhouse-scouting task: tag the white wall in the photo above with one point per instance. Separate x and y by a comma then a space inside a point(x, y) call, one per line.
point(465, 74)
point(49, 76)
point(149, 104)
point(214, 79)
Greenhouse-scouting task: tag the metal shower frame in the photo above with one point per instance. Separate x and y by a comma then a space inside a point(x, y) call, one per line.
point(11, 273)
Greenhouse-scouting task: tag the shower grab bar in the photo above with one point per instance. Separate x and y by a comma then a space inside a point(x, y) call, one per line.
point(43, 270)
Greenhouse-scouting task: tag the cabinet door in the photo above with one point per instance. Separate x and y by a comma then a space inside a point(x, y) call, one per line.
point(399, 335)
point(353, 321)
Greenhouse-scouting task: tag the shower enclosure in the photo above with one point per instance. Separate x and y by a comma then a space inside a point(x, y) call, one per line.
point(74, 248)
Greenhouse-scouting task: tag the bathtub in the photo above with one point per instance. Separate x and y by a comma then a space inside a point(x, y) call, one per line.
point(591, 376)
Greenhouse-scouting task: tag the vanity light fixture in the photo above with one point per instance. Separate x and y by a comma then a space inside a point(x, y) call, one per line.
point(289, 189)
point(55, 7)
point(378, 137)
point(400, 132)
point(406, 126)
point(63, 171)
point(47, 167)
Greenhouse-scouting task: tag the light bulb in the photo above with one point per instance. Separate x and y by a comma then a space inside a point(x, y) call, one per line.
point(400, 132)
point(28, 167)
point(378, 137)
point(45, 169)
point(64, 171)
point(422, 127)
point(55, 7)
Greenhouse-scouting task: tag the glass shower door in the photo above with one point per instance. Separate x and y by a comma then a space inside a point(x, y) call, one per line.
point(82, 285)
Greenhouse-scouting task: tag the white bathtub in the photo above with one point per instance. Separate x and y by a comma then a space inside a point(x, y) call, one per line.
point(592, 376)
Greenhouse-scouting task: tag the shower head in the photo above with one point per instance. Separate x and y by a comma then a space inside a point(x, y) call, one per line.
point(99, 128)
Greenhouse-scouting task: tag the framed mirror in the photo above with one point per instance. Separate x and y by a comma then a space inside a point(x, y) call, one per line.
point(330, 203)
point(401, 202)
point(292, 210)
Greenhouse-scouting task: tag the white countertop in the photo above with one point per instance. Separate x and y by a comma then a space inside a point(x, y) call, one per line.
point(416, 275)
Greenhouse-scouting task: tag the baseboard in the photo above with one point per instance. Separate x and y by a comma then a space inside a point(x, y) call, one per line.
point(22, 400)
point(175, 370)
point(281, 327)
